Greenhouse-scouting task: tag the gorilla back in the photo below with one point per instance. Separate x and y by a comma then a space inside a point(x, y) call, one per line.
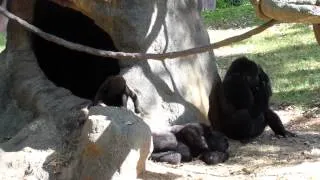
point(243, 103)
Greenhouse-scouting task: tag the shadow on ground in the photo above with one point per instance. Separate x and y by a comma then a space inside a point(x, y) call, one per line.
point(266, 156)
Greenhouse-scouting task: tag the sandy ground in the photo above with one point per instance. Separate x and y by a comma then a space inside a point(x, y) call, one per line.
point(267, 157)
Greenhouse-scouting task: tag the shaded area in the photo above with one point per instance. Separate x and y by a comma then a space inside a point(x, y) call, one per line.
point(268, 150)
point(79, 72)
point(256, 159)
point(294, 67)
point(114, 143)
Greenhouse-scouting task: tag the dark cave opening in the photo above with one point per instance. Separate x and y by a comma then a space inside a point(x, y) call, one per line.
point(79, 72)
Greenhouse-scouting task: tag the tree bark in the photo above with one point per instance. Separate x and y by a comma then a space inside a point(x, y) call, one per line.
point(136, 56)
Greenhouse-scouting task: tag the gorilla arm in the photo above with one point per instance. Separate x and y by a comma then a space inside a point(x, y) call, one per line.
point(276, 125)
point(271, 118)
point(129, 93)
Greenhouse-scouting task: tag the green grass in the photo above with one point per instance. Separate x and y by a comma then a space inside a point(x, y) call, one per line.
point(290, 55)
point(288, 52)
point(232, 17)
point(2, 41)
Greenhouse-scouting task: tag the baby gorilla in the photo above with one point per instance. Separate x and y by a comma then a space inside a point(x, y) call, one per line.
point(185, 142)
point(114, 91)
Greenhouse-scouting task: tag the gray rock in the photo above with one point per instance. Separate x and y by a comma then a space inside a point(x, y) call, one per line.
point(173, 91)
point(41, 124)
point(114, 144)
point(25, 155)
point(290, 11)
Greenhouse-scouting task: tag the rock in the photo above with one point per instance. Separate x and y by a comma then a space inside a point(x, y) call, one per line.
point(291, 11)
point(41, 124)
point(114, 144)
point(24, 156)
point(173, 91)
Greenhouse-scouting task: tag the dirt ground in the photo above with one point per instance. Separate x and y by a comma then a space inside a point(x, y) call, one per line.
point(267, 157)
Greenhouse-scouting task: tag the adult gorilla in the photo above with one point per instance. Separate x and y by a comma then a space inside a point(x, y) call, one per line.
point(243, 103)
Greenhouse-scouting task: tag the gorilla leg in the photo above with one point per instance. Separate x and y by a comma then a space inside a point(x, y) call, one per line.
point(184, 142)
point(241, 126)
point(210, 146)
point(218, 146)
point(168, 149)
point(217, 141)
point(276, 125)
point(164, 141)
point(129, 93)
point(184, 151)
point(214, 157)
point(180, 154)
point(192, 135)
point(170, 157)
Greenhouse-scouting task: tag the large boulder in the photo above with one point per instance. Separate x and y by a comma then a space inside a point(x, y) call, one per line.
point(114, 144)
point(172, 91)
point(291, 11)
point(41, 125)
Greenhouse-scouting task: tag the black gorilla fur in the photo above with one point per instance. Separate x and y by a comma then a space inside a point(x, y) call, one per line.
point(184, 142)
point(243, 98)
point(114, 91)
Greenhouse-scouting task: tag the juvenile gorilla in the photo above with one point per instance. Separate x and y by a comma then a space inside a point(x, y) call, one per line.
point(114, 91)
point(184, 142)
point(243, 98)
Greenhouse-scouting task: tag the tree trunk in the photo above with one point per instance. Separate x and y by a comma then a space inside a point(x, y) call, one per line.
point(3, 19)
point(316, 30)
point(208, 5)
point(297, 11)
point(45, 90)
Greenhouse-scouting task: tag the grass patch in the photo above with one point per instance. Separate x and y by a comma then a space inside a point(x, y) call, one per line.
point(288, 52)
point(232, 17)
point(3, 41)
point(290, 55)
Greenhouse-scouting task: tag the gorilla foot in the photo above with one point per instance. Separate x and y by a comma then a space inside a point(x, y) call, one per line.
point(214, 157)
point(286, 134)
point(170, 157)
point(185, 152)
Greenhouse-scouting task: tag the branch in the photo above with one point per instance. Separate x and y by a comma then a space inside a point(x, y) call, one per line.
point(133, 56)
point(245, 35)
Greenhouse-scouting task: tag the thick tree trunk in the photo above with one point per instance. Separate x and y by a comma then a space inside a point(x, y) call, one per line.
point(3, 19)
point(316, 30)
point(297, 11)
point(45, 89)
